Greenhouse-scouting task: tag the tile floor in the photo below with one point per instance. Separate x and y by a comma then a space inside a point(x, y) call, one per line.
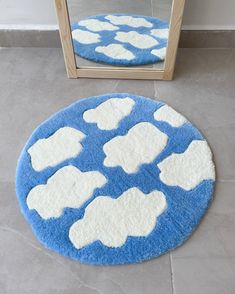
point(33, 85)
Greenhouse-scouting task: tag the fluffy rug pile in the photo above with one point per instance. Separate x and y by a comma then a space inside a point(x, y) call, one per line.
point(115, 179)
point(121, 39)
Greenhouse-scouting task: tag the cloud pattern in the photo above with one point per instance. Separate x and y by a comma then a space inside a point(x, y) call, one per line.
point(115, 51)
point(137, 40)
point(128, 20)
point(131, 214)
point(117, 109)
point(160, 53)
point(85, 37)
point(134, 149)
point(96, 25)
point(68, 187)
point(65, 143)
point(151, 164)
point(160, 33)
point(169, 115)
point(188, 169)
point(120, 39)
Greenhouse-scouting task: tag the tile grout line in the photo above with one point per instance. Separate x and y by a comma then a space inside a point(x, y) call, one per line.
point(172, 274)
point(151, 6)
point(44, 252)
point(155, 89)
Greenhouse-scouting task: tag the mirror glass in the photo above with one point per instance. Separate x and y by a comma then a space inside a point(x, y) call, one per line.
point(123, 33)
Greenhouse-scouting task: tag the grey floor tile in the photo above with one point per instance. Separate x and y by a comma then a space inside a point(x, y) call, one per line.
point(214, 238)
point(136, 87)
point(26, 267)
point(206, 262)
point(201, 76)
point(147, 277)
point(222, 141)
point(206, 275)
point(10, 216)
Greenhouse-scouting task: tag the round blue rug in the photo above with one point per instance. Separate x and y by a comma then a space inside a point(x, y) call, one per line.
point(121, 39)
point(115, 179)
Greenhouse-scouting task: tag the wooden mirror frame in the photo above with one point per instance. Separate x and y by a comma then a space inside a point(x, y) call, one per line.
point(120, 72)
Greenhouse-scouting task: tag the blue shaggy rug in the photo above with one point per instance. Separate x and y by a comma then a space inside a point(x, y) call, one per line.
point(115, 179)
point(121, 39)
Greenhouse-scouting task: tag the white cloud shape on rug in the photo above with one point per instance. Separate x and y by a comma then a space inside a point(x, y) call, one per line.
point(160, 33)
point(115, 51)
point(188, 169)
point(68, 187)
point(85, 37)
point(112, 220)
point(137, 40)
point(62, 145)
point(108, 114)
point(96, 25)
point(161, 53)
point(130, 21)
point(169, 115)
point(142, 144)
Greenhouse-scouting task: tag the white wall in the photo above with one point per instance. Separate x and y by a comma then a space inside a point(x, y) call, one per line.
point(209, 14)
point(199, 14)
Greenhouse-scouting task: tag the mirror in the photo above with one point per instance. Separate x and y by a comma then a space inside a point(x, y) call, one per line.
point(120, 35)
